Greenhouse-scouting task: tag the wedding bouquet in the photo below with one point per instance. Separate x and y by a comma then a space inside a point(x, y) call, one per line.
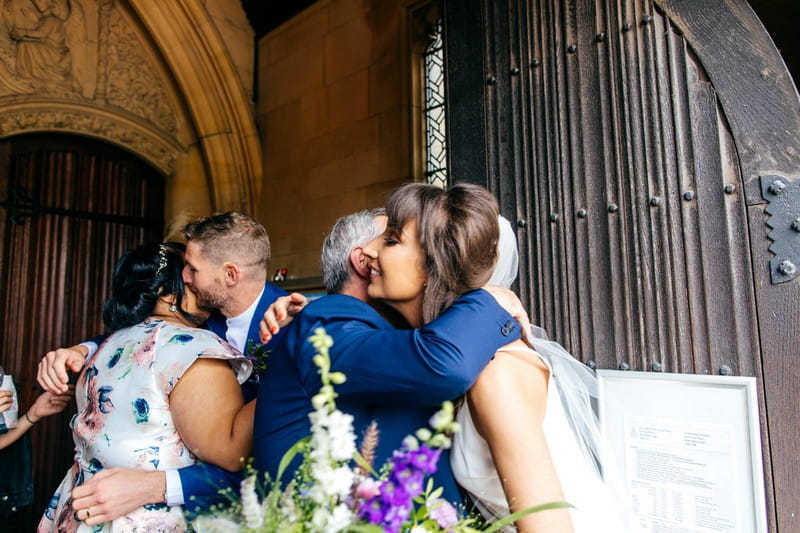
point(336, 488)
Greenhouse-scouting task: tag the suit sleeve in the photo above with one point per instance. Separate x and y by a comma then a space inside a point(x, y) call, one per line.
point(416, 367)
point(202, 485)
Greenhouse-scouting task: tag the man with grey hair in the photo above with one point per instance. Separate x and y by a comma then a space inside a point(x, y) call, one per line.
point(344, 270)
point(341, 247)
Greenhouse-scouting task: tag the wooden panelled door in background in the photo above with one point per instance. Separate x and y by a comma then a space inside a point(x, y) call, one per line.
point(628, 140)
point(71, 207)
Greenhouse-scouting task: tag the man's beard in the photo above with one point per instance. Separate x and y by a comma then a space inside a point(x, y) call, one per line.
point(210, 299)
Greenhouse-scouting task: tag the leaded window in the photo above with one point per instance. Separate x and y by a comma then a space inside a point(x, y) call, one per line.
point(434, 109)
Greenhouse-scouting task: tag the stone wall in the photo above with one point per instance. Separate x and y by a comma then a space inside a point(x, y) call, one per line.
point(333, 112)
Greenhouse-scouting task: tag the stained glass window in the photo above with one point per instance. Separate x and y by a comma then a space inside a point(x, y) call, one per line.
point(435, 136)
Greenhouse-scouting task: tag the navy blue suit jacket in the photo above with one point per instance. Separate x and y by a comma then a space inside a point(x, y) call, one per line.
point(202, 482)
point(397, 377)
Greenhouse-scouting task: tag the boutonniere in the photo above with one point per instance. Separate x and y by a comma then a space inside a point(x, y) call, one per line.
point(257, 355)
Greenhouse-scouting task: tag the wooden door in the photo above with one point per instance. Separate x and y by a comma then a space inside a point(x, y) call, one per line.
point(632, 143)
point(71, 207)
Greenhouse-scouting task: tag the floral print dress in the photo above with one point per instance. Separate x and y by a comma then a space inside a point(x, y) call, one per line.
point(124, 419)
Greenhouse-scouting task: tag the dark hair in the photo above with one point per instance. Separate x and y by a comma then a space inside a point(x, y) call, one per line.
point(231, 236)
point(457, 230)
point(141, 277)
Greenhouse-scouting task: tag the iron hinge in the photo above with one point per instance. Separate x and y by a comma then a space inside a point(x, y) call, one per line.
point(783, 207)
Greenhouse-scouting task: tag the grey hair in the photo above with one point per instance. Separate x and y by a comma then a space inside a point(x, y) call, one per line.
point(357, 229)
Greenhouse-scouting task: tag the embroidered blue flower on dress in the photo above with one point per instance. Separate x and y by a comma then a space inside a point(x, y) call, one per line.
point(51, 507)
point(181, 338)
point(104, 403)
point(142, 409)
point(115, 358)
point(95, 465)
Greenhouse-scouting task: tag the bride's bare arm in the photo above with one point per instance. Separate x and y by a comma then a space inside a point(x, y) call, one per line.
point(209, 414)
point(507, 404)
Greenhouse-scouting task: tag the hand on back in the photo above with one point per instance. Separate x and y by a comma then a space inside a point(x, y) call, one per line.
point(511, 303)
point(280, 313)
point(53, 370)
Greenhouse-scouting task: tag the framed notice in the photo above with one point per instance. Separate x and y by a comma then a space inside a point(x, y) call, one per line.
point(688, 450)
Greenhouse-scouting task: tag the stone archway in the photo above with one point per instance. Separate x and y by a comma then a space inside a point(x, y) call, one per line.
point(219, 106)
point(155, 78)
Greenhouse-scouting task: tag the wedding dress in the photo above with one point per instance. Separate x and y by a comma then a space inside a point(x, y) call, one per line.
point(570, 426)
point(596, 511)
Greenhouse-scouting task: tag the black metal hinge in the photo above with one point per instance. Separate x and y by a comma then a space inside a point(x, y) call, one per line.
point(783, 197)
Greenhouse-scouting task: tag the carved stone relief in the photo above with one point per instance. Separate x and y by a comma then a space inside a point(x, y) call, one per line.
point(50, 46)
point(132, 84)
point(160, 152)
point(83, 52)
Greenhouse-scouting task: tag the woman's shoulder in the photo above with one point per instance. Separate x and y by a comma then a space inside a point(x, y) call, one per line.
point(179, 334)
point(185, 345)
point(515, 374)
point(517, 357)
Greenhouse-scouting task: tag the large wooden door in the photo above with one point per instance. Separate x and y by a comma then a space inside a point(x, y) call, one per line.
point(71, 207)
point(632, 141)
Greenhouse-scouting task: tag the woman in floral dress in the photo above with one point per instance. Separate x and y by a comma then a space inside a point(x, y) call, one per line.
point(158, 394)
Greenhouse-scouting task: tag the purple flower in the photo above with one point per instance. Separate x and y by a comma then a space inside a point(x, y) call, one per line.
point(394, 494)
point(395, 517)
point(410, 479)
point(444, 513)
point(424, 458)
point(391, 507)
point(372, 511)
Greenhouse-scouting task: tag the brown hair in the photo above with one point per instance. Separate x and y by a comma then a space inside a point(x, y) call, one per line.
point(457, 230)
point(231, 236)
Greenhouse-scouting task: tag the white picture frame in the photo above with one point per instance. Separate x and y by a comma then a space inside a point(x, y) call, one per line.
point(687, 449)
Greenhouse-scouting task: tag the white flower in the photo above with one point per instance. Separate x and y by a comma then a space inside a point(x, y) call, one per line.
point(331, 481)
point(214, 524)
point(251, 510)
point(340, 518)
point(287, 507)
point(443, 417)
point(342, 438)
point(330, 522)
point(440, 441)
point(410, 443)
point(418, 529)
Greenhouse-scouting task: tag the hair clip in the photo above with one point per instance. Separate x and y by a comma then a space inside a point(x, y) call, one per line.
point(162, 259)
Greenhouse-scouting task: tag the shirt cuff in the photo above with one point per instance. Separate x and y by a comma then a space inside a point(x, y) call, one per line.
point(174, 488)
point(91, 346)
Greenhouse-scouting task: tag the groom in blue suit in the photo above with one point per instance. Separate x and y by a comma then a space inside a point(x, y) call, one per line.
point(397, 377)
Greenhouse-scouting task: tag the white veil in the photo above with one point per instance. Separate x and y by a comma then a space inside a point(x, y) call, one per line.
point(576, 383)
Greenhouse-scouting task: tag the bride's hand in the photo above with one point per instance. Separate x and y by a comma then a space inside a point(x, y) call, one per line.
point(511, 303)
point(280, 313)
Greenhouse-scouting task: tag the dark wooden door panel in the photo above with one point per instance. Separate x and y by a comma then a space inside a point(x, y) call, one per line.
point(626, 139)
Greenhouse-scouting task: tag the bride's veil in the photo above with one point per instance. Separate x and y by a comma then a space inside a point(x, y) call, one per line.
point(576, 383)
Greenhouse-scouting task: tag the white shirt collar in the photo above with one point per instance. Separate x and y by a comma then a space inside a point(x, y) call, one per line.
point(238, 326)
